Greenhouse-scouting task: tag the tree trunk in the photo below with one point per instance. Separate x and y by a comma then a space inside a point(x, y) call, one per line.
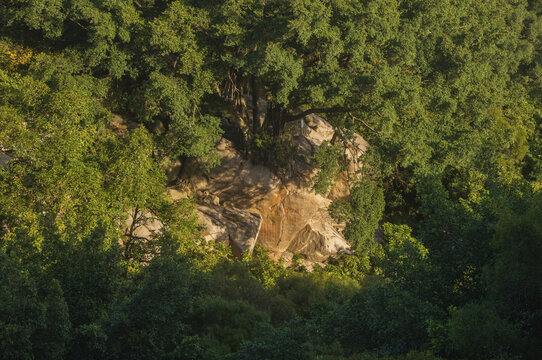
point(255, 108)
point(275, 119)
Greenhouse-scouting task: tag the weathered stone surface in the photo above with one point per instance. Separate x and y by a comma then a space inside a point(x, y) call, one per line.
point(357, 147)
point(294, 219)
point(120, 125)
point(317, 241)
point(287, 259)
point(237, 228)
point(172, 167)
point(176, 194)
point(145, 226)
point(236, 180)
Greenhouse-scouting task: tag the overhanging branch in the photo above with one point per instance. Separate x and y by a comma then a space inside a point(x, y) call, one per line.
point(364, 123)
point(315, 111)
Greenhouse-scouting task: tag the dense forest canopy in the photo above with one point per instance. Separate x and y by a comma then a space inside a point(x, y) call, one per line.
point(448, 94)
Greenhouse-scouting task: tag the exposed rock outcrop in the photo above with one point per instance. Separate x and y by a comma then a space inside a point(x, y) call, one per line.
point(236, 228)
point(317, 241)
point(294, 219)
point(172, 169)
point(142, 224)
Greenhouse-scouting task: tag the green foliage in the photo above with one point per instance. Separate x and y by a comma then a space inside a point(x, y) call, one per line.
point(362, 213)
point(356, 266)
point(511, 276)
point(276, 153)
point(34, 318)
point(306, 291)
point(70, 174)
point(428, 80)
point(380, 318)
point(447, 93)
point(224, 324)
point(404, 259)
point(89, 273)
point(328, 158)
point(456, 236)
point(274, 344)
point(153, 321)
point(532, 168)
point(476, 331)
point(400, 246)
point(413, 355)
point(262, 267)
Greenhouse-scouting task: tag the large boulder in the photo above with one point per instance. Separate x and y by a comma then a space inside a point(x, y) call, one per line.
point(294, 219)
point(317, 241)
point(236, 228)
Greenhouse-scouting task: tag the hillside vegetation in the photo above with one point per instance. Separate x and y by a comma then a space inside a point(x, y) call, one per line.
point(448, 93)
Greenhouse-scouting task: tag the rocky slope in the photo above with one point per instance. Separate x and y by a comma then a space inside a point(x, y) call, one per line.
point(243, 204)
point(247, 204)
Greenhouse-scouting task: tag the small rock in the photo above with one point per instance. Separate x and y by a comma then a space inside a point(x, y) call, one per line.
point(215, 200)
point(177, 194)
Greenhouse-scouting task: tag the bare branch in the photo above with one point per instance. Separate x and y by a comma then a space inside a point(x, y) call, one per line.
point(315, 111)
point(364, 123)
